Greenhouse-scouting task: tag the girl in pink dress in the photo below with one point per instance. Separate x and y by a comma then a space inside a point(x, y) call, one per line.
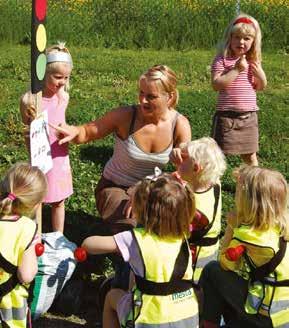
point(54, 100)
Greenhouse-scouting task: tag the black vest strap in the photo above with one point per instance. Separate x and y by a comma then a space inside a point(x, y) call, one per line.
point(176, 283)
point(162, 288)
point(264, 270)
point(12, 282)
point(196, 237)
point(7, 266)
point(8, 285)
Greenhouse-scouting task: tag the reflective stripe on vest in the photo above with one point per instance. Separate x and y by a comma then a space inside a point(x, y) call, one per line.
point(159, 258)
point(14, 313)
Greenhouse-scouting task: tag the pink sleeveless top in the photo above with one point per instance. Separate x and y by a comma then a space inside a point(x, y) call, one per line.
point(59, 177)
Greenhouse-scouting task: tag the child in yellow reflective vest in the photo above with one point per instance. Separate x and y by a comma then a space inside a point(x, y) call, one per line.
point(21, 191)
point(251, 288)
point(201, 164)
point(159, 256)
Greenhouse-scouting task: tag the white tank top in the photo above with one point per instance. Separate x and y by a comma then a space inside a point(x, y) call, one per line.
point(129, 163)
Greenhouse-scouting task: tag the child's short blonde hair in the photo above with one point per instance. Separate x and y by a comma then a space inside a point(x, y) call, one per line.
point(28, 186)
point(206, 152)
point(163, 206)
point(262, 199)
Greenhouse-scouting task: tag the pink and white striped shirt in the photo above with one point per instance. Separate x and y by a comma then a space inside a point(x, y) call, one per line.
point(240, 95)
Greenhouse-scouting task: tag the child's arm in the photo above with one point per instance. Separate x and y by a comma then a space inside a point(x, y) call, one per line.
point(221, 80)
point(28, 113)
point(100, 245)
point(260, 79)
point(28, 266)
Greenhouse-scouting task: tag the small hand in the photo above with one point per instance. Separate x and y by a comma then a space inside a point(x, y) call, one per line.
point(256, 69)
point(241, 64)
point(65, 133)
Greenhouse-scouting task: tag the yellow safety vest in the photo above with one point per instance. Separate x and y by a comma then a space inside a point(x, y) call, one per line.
point(15, 237)
point(268, 293)
point(164, 296)
point(209, 203)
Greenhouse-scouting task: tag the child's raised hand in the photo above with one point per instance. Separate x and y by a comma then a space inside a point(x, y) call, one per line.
point(256, 69)
point(65, 133)
point(241, 64)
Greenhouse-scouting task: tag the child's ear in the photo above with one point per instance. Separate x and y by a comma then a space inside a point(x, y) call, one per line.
point(197, 167)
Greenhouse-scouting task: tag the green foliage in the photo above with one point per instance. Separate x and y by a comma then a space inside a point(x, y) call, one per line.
point(158, 24)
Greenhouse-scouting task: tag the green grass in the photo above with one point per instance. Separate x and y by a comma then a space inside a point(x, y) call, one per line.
point(103, 79)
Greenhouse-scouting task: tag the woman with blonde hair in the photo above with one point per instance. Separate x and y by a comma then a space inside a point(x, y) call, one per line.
point(144, 136)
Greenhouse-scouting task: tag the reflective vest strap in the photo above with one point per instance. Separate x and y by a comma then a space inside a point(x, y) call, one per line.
point(162, 288)
point(176, 283)
point(12, 282)
point(197, 236)
point(264, 270)
point(207, 241)
point(7, 266)
point(8, 285)
point(281, 283)
point(182, 262)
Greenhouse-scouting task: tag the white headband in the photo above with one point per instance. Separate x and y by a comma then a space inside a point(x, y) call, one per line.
point(59, 57)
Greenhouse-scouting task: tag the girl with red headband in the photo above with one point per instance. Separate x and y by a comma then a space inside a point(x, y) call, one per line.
point(237, 74)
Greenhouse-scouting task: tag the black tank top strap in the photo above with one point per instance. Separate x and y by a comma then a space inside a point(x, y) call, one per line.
point(174, 122)
point(133, 118)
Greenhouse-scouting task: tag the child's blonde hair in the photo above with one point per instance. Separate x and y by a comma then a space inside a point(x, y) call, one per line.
point(243, 28)
point(52, 67)
point(206, 153)
point(27, 105)
point(166, 80)
point(163, 206)
point(23, 187)
point(261, 199)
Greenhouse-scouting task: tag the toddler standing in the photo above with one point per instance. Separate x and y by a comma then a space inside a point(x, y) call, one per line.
point(54, 100)
point(237, 74)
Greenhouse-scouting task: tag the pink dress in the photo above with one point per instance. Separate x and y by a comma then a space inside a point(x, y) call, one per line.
point(59, 177)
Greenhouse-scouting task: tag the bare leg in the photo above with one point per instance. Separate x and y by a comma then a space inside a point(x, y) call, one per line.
point(250, 159)
point(110, 318)
point(58, 216)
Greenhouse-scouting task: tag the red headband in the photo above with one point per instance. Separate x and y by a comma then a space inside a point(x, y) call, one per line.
point(243, 20)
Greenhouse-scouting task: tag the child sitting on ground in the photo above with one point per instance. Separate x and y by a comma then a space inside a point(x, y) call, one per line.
point(202, 165)
point(21, 191)
point(158, 254)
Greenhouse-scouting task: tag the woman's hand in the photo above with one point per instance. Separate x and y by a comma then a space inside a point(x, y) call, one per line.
point(65, 133)
point(176, 156)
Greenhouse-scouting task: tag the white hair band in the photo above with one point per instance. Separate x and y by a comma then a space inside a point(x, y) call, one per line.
point(59, 57)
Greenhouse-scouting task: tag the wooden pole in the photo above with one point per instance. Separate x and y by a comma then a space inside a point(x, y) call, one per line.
point(38, 64)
